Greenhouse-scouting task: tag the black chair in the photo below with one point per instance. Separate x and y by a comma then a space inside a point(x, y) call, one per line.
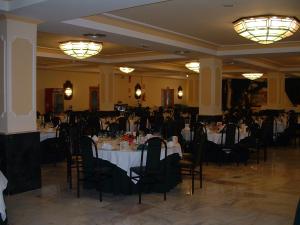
point(74, 157)
point(297, 216)
point(195, 159)
point(228, 147)
point(92, 171)
point(122, 123)
point(253, 142)
point(154, 171)
point(113, 129)
point(55, 149)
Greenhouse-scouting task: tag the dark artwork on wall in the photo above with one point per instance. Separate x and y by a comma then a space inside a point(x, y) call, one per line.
point(258, 93)
point(243, 93)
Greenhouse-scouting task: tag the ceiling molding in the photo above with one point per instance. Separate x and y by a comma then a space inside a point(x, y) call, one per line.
point(158, 28)
point(138, 35)
point(257, 64)
point(127, 59)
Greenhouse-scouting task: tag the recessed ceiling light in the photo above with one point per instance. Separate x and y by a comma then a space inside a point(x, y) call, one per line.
point(187, 75)
point(90, 35)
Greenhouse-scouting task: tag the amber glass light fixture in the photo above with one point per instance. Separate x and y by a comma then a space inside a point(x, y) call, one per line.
point(252, 76)
point(266, 29)
point(126, 69)
point(180, 92)
point(81, 49)
point(68, 90)
point(193, 66)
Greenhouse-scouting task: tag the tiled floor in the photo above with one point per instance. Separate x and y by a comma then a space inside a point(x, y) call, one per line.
point(264, 194)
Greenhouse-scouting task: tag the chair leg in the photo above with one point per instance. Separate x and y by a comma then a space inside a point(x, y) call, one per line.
point(140, 191)
point(257, 156)
point(100, 192)
point(69, 173)
point(193, 180)
point(78, 178)
point(201, 175)
point(265, 154)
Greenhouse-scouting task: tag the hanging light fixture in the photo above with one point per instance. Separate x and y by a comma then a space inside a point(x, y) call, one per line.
point(138, 91)
point(68, 90)
point(252, 76)
point(266, 29)
point(180, 92)
point(81, 49)
point(126, 69)
point(194, 66)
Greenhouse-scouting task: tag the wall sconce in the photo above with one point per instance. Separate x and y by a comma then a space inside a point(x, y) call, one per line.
point(68, 90)
point(137, 91)
point(180, 92)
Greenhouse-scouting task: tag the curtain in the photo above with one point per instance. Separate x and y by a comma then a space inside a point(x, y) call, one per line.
point(292, 87)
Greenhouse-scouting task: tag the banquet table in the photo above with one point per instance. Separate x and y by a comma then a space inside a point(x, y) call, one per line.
point(123, 160)
point(3, 185)
point(48, 146)
point(215, 136)
point(279, 126)
point(47, 133)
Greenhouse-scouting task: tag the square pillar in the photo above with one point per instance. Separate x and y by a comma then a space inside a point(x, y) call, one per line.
point(19, 152)
point(107, 88)
point(210, 87)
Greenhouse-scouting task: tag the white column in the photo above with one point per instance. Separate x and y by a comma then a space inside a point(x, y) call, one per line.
point(17, 76)
point(192, 90)
point(107, 88)
point(210, 87)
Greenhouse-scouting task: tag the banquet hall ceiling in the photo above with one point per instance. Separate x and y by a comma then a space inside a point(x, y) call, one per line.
point(159, 36)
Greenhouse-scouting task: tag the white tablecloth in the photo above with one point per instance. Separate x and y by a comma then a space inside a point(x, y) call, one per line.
point(217, 137)
point(45, 134)
point(279, 126)
point(3, 184)
point(125, 159)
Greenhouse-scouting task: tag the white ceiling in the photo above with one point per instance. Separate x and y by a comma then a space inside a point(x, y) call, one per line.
point(208, 20)
point(159, 35)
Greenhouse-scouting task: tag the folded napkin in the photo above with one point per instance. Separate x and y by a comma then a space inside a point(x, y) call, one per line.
point(95, 138)
point(170, 144)
point(107, 146)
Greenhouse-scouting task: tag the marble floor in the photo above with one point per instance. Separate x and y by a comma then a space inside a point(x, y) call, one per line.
point(264, 194)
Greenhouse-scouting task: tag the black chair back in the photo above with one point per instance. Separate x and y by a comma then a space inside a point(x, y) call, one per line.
point(154, 147)
point(122, 123)
point(113, 128)
point(229, 131)
point(198, 146)
point(88, 149)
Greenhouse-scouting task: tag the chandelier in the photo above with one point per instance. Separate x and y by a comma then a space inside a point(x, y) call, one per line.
point(252, 76)
point(126, 69)
point(266, 29)
point(81, 49)
point(194, 66)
